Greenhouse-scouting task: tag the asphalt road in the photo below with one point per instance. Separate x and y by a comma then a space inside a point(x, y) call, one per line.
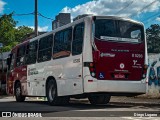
point(83, 110)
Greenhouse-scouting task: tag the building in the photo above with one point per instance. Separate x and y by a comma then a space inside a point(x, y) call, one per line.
point(153, 74)
point(61, 19)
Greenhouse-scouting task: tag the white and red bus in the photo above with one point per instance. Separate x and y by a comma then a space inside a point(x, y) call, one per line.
point(94, 57)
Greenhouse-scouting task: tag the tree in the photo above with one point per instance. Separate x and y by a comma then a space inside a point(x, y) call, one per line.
point(10, 36)
point(22, 31)
point(153, 38)
point(7, 28)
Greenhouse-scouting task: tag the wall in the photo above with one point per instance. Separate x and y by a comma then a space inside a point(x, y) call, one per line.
point(153, 74)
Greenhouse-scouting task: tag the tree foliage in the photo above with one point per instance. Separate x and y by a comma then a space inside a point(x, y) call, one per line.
point(9, 34)
point(153, 38)
point(22, 31)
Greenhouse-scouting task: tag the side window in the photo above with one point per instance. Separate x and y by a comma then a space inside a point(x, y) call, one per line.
point(45, 48)
point(62, 43)
point(31, 52)
point(77, 44)
point(20, 55)
point(12, 56)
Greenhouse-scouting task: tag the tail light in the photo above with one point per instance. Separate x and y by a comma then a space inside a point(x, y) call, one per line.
point(145, 67)
point(91, 67)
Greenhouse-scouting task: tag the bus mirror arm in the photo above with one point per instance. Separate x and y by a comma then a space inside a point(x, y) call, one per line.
point(96, 55)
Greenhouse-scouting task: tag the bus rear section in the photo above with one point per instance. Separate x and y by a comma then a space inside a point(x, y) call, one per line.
point(119, 58)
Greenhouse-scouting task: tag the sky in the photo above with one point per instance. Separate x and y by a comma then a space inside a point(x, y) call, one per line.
point(146, 11)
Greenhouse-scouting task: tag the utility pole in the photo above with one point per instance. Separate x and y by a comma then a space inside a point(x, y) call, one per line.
point(36, 17)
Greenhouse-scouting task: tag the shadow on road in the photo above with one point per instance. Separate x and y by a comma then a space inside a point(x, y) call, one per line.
point(86, 104)
point(74, 108)
point(42, 105)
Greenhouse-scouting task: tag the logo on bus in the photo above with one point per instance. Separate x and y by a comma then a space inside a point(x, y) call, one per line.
point(107, 55)
point(101, 75)
point(121, 65)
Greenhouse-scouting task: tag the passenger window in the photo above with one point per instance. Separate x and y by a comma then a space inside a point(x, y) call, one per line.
point(77, 44)
point(20, 55)
point(62, 43)
point(45, 48)
point(31, 52)
point(12, 57)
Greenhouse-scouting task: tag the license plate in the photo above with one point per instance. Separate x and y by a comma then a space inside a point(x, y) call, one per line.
point(119, 76)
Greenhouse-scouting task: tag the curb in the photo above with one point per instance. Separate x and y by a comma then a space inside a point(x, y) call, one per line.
point(131, 103)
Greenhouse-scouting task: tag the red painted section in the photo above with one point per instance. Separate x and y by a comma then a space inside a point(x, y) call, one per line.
point(10, 84)
point(122, 64)
point(18, 73)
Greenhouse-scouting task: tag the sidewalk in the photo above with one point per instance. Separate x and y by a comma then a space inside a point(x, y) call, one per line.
point(6, 97)
point(135, 100)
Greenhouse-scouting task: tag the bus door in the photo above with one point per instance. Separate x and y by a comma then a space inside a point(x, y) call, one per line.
point(10, 79)
point(31, 57)
point(20, 71)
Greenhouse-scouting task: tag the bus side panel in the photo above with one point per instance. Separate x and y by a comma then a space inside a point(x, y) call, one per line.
point(37, 76)
point(20, 74)
point(68, 72)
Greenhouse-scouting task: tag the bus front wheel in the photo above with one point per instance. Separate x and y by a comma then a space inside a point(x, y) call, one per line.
point(99, 99)
point(18, 93)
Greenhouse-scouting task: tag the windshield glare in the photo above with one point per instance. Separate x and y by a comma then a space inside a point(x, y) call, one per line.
point(116, 30)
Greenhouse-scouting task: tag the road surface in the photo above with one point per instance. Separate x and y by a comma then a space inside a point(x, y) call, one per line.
point(83, 110)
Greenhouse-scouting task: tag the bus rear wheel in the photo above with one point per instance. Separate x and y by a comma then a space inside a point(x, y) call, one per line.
point(52, 97)
point(18, 93)
point(99, 99)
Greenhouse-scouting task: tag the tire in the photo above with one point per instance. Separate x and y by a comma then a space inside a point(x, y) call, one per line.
point(18, 93)
point(99, 99)
point(52, 97)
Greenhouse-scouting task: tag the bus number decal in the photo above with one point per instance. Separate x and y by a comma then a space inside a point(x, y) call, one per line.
point(76, 60)
point(137, 55)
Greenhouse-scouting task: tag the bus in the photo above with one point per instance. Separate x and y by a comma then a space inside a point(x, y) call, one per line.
point(94, 57)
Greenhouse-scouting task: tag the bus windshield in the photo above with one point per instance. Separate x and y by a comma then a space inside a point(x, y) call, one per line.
point(116, 30)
